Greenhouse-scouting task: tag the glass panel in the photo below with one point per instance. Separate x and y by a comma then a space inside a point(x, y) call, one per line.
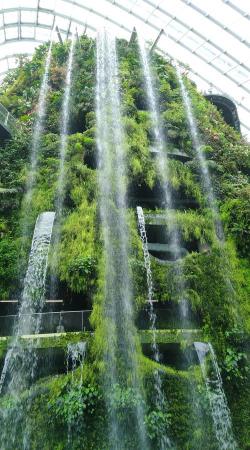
point(10, 17)
point(2, 37)
point(28, 3)
point(27, 32)
point(193, 41)
point(240, 75)
point(28, 16)
point(224, 63)
point(207, 51)
point(11, 33)
point(10, 4)
point(63, 24)
point(42, 34)
point(44, 18)
point(48, 4)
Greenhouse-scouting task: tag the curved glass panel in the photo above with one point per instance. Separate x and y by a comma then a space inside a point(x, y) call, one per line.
point(211, 38)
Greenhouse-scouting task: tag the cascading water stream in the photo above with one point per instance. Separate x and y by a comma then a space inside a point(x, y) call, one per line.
point(207, 188)
point(34, 154)
point(174, 235)
point(163, 170)
point(61, 174)
point(32, 299)
point(64, 129)
point(120, 330)
point(218, 402)
point(76, 354)
point(197, 143)
point(38, 128)
point(160, 398)
point(20, 362)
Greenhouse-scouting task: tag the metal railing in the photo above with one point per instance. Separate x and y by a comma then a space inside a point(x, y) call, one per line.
point(50, 322)
point(73, 321)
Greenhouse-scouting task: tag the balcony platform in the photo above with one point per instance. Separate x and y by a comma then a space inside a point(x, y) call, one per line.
point(61, 339)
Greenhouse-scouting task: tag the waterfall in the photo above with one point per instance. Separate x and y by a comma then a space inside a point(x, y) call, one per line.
point(197, 143)
point(32, 298)
point(38, 127)
point(218, 402)
point(75, 357)
point(35, 149)
point(61, 174)
point(163, 170)
point(120, 331)
point(207, 186)
point(20, 362)
point(160, 398)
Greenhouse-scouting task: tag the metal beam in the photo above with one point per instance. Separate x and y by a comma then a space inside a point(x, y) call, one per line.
point(200, 35)
point(237, 9)
point(68, 30)
point(95, 12)
point(182, 44)
point(156, 40)
point(216, 22)
point(19, 24)
point(59, 35)
point(133, 36)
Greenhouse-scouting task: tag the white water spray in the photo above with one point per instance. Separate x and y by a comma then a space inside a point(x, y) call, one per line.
point(197, 143)
point(218, 402)
point(160, 398)
point(163, 170)
point(64, 129)
point(21, 361)
point(121, 332)
point(76, 354)
point(32, 299)
point(38, 127)
point(61, 174)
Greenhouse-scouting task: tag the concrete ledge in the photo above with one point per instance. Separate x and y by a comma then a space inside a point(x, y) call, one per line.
point(170, 336)
point(61, 340)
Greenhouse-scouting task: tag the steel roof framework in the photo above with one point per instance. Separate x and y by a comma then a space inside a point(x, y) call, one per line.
point(210, 37)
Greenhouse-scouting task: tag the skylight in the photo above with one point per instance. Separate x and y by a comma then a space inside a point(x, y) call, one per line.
point(212, 38)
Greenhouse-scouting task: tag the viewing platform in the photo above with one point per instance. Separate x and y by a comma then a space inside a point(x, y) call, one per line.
point(62, 339)
point(54, 322)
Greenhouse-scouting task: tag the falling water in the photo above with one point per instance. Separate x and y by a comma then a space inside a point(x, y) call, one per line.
point(160, 398)
point(208, 190)
point(64, 129)
point(20, 363)
point(216, 395)
point(35, 149)
point(75, 357)
point(197, 143)
point(163, 169)
point(121, 332)
point(61, 174)
point(38, 128)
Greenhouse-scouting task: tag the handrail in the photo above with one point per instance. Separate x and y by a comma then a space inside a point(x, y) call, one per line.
point(55, 321)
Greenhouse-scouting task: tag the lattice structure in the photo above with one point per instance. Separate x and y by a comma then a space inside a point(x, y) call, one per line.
point(211, 38)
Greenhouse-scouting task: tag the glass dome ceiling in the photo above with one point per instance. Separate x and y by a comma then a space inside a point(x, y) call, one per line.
point(210, 37)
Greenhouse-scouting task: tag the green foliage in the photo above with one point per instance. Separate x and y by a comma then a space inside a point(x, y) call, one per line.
point(8, 269)
point(235, 365)
point(75, 404)
point(217, 281)
point(157, 423)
